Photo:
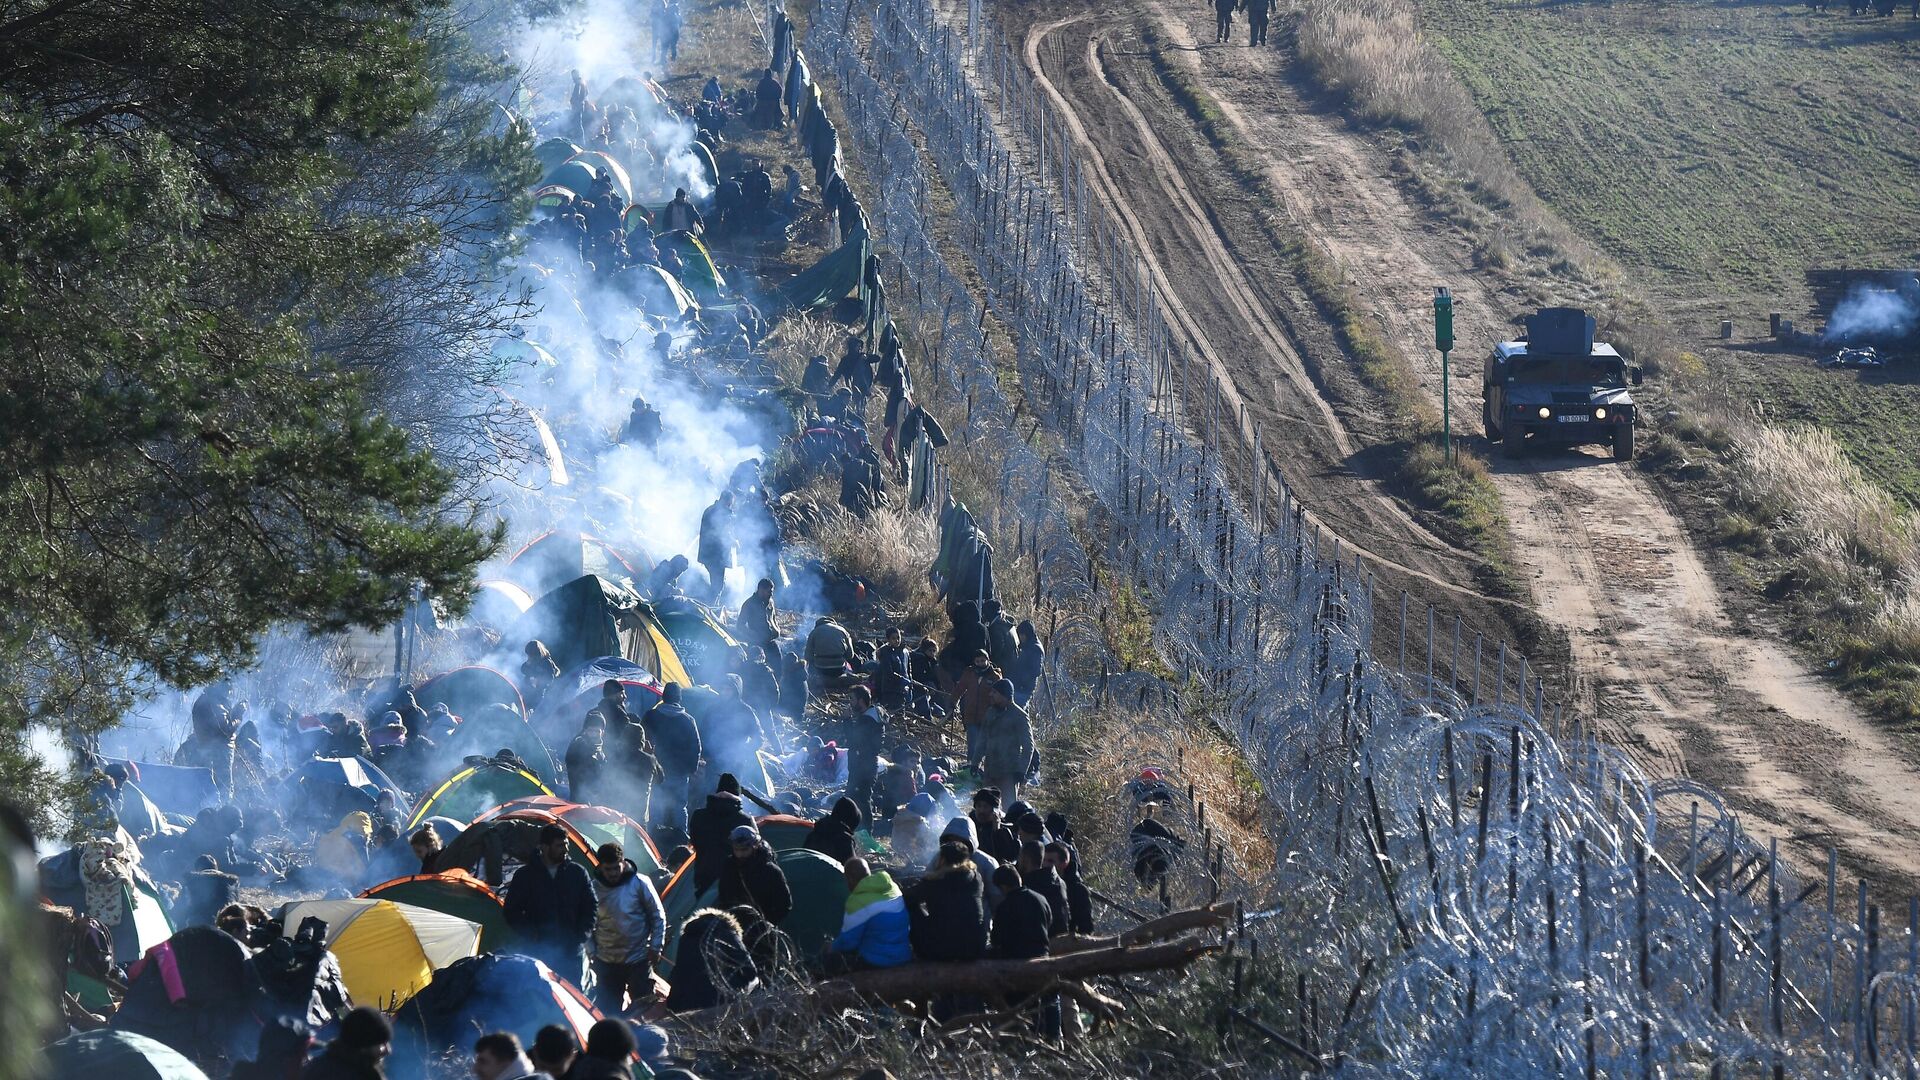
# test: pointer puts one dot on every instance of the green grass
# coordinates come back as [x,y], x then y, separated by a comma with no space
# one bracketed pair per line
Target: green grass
[1717,149]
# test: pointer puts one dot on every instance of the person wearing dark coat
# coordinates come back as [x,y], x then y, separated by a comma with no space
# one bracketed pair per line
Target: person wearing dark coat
[866,732]
[365,1039]
[751,875]
[1153,846]
[713,955]
[766,102]
[832,835]
[1060,858]
[947,908]
[1029,662]
[1039,876]
[676,745]
[587,762]
[716,543]
[551,906]
[1021,922]
[710,829]
[610,1046]
[997,836]
[895,672]
[856,369]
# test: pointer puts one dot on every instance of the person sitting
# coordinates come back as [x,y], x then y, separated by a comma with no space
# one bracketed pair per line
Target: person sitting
[713,961]
[947,909]
[875,930]
[832,835]
[914,832]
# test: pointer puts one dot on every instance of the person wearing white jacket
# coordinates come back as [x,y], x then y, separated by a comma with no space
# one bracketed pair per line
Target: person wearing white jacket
[629,933]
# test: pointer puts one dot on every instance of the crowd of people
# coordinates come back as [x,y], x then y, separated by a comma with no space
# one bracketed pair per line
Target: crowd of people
[913,755]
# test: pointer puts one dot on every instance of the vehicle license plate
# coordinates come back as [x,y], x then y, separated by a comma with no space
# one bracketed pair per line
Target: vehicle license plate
[1570,418]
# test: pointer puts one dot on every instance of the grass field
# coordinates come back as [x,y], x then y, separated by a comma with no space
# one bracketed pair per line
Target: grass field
[1714,149]
[1875,416]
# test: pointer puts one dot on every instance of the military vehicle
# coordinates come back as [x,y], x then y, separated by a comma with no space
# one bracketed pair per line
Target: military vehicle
[1558,387]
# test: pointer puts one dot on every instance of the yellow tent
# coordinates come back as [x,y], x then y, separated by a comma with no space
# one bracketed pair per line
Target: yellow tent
[388,952]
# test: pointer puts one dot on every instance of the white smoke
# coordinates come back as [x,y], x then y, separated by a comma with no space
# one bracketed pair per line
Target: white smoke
[1875,313]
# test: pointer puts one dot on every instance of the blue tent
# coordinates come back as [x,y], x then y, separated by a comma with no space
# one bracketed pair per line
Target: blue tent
[347,775]
[489,992]
[123,1055]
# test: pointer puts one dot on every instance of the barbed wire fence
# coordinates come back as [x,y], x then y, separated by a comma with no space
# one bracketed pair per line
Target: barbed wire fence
[1488,889]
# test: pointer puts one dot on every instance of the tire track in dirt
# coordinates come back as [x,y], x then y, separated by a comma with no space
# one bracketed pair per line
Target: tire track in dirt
[1234,312]
[1659,660]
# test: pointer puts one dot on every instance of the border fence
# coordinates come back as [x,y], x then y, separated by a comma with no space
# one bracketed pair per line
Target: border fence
[1467,887]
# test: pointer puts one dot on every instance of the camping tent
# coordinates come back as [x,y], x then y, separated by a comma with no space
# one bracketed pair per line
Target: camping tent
[500,727]
[819,887]
[591,617]
[477,786]
[455,893]
[836,275]
[784,832]
[702,644]
[586,826]
[468,691]
[331,788]
[558,556]
[388,951]
[552,152]
[576,174]
[116,1055]
[606,163]
[497,603]
[697,271]
[176,789]
[491,992]
[553,197]
[655,291]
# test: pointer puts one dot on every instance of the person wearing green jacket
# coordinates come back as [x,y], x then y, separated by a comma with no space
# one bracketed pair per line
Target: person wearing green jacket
[874,933]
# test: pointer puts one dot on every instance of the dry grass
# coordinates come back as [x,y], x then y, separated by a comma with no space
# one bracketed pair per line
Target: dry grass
[1840,555]
[892,548]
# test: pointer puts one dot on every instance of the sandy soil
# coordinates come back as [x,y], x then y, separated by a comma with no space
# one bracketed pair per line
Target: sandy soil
[1657,658]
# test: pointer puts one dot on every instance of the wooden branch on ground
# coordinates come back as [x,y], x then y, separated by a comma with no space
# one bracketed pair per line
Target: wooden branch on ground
[997,978]
[1166,926]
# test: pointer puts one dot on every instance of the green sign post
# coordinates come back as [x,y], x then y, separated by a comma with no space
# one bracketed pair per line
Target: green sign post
[1443,340]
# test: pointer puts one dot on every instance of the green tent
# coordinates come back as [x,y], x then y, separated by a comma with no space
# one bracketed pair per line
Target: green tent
[819,886]
[697,271]
[117,1055]
[552,153]
[475,788]
[455,893]
[784,832]
[576,174]
[836,275]
[610,166]
[709,171]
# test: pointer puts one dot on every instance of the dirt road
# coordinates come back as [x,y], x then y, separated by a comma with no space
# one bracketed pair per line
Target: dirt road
[1658,659]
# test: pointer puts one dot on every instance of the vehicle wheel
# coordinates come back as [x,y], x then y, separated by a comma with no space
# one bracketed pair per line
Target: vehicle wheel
[1487,424]
[1623,444]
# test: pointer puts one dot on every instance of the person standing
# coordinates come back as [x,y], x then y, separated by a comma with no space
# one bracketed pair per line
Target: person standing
[1060,858]
[1223,19]
[1038,874]
[551,906]
[866,732]
[587,762]
[710,830]
[1258,12]
[716,543]
[629,933]
[1029,661]
[1020,932]
[895,672]
[676,745]
[358,1052]
[755,624]
[1006,741]
[832,835]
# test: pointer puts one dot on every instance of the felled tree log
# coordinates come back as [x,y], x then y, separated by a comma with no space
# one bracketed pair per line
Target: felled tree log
[997,978]
[1166,926]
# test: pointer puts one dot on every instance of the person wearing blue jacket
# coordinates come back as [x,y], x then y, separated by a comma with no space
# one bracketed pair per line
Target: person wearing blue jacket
[874,933]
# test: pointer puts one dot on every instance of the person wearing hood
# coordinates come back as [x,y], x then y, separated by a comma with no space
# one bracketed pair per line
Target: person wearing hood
[663,580]
[609,1050]
[710,829]
[914,837]
[345,738]
[717,543]
[629,933]
[208,889]
[731,732]
[1022,923]
[497,1056]
[947,908]
[356,1053]
[829,651]
[832,835]
[962,829]
[676,743]
[342,852]
[875,930]
[899,782]
[751,875]
[1029,662]
[713,960]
